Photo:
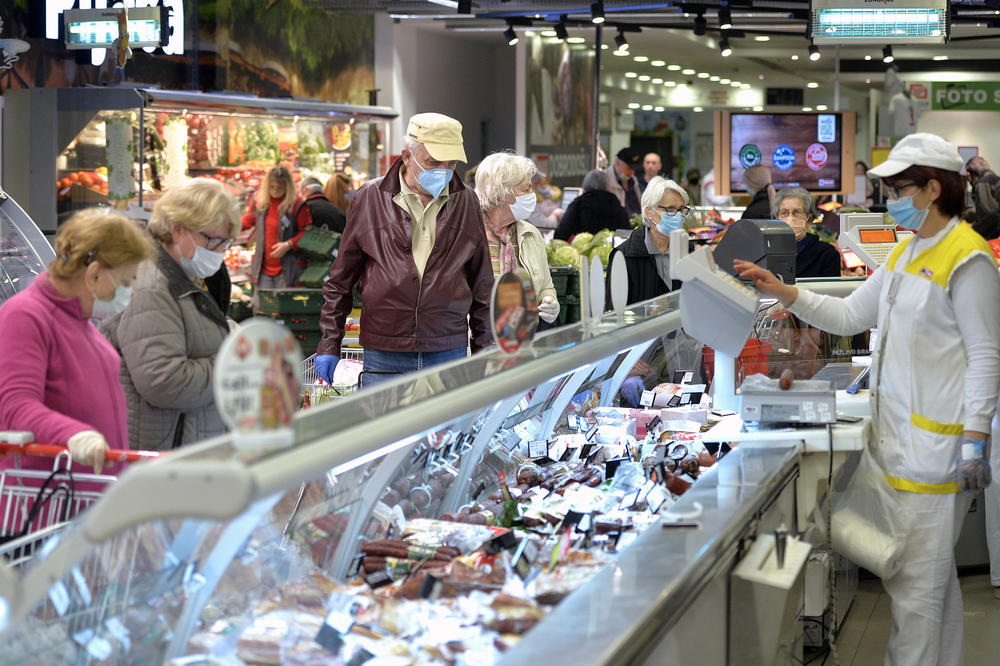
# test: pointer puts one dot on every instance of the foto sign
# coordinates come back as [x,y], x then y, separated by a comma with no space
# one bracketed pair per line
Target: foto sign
[966,96]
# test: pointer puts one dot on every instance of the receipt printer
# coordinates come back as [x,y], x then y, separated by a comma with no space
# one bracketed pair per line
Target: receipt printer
[768,243]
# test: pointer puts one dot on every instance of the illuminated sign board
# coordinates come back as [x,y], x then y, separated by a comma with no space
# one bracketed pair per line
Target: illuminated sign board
[98,28]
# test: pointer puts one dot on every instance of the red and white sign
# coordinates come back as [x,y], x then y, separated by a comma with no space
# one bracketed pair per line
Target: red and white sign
[918,90]
[816,156]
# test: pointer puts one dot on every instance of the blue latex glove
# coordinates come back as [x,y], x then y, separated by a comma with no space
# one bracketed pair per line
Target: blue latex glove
[325,365]
[632,389]
[972,470]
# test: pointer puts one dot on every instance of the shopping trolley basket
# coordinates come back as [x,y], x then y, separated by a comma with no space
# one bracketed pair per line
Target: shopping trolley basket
[319,391]
[35,504]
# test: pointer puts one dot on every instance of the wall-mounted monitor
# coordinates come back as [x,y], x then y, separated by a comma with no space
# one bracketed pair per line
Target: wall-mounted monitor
[98,28]
[814,150]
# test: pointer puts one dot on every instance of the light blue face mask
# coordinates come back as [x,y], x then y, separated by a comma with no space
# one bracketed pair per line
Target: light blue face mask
[204,264]
[670,223]
[905,213]
[103,309]
[433,180]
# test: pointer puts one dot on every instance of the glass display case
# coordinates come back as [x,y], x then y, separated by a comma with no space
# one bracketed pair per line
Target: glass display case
[24,252]
[208,556]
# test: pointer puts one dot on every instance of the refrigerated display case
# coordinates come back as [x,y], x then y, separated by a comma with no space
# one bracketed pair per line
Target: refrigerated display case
[124,146]
[24,251]
[206,556]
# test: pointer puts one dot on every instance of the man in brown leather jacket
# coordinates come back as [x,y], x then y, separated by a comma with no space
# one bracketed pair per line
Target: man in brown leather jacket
[415,244]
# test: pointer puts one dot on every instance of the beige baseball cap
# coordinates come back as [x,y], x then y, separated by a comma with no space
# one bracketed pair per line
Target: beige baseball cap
[441,135]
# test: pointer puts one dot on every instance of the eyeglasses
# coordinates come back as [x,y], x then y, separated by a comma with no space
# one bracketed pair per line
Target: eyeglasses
[895,190]
[797,214]
[215,244]
[670,210]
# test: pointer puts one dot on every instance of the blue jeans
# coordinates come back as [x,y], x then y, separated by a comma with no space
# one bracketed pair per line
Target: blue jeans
[380,366]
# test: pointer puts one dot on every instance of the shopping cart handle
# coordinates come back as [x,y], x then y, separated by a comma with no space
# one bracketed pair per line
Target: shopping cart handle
[51,451]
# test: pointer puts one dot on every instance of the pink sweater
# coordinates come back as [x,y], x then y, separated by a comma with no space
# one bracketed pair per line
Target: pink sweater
[58,375]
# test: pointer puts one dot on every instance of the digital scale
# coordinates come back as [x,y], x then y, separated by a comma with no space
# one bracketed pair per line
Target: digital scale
[867,235]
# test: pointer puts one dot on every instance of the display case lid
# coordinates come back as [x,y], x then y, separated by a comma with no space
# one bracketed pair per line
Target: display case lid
[267,105]
[24,250]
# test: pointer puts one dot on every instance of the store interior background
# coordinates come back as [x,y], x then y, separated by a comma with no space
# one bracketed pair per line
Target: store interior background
[423,56]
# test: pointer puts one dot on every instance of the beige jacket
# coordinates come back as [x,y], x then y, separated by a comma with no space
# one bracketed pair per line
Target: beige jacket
[533,258]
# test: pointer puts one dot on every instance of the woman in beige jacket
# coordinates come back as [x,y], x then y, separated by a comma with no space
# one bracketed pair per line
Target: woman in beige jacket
[170,332]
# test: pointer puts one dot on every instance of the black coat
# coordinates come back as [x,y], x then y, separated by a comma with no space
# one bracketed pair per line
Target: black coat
[592,211]
[759,208]
[644,281]
[325,214]
[816,259]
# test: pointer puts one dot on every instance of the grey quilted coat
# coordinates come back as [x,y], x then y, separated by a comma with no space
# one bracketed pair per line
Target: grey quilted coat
[168,337]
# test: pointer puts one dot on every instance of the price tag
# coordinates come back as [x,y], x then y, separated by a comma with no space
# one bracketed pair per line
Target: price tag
[592,432]
[647,399]
[572,422]
[655,499]
[502,478]
[509,440]
[538,448]
[59,596]
[557,449]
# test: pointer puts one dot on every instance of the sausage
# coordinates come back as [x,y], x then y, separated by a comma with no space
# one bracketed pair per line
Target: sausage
[787,376]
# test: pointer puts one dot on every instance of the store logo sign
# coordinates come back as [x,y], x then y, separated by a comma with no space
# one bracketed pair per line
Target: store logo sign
[55,8]
[783,157]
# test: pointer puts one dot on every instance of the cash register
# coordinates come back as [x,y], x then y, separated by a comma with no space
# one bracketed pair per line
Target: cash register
[867,235]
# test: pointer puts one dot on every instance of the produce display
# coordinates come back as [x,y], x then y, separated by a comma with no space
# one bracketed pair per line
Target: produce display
[593,246]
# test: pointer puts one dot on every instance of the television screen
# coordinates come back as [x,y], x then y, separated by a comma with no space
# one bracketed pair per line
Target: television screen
[799,149]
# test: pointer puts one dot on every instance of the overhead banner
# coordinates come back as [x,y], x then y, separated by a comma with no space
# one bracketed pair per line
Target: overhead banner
[966,96]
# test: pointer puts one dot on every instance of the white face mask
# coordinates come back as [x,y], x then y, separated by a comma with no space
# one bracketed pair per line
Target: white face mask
[204,263]
[103,309]
[523,206]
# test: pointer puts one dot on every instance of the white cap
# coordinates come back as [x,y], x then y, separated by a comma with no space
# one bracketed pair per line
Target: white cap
[920,149]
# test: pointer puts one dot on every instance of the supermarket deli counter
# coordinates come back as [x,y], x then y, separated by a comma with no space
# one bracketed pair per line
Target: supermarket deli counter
[467,514]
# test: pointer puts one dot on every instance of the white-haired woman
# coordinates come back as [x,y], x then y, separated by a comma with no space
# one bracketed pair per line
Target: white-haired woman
[813,258]
[506,195]
[176,320]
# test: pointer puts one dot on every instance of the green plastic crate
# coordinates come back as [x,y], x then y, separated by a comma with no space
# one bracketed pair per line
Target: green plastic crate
[294,322]
[290,301]
[308,340]
[240,310]
[319,243]
[317,273]
[572,309]
[560,280]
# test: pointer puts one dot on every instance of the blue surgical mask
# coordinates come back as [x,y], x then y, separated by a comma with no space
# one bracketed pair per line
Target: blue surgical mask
[905,213]
[670,223]
[103,309]
[433,180]
[204,263]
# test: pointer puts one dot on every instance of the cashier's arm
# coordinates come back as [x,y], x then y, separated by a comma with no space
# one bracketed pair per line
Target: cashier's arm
[767,282]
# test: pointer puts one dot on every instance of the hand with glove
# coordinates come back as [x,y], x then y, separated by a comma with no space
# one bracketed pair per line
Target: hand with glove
[325,365]
[972,469]
[87,447]
[548,309]
[632,389]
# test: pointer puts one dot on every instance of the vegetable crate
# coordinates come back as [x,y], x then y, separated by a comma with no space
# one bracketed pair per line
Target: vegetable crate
[290,301]
[300,322]
[566,280]
[316,274]
[319,243]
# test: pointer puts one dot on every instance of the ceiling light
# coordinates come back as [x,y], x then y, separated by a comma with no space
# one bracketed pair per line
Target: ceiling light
[630,75]
[697,109]
[795,56]
[714,77]
[657,80]
[576,40]
[703,75]
[604,47]
[813,52]
[940,57]
[597,12]
[868,81]
[620,41]
[725,18]
[887,54]
[745,86]
[762,38]
[821,107]
[868,57]
[657,63]
[674,68]
[561,30]
[464,7]
[641,59]
[647,107]
[736,84]
[644,77]
[807,108]
[657,108]
[758,108]
[700,24]
[724,48]
[725,82]
[687,72]
[548,33]
[812,84]
[510,35]
[633,105]
[620,54]
[670,84]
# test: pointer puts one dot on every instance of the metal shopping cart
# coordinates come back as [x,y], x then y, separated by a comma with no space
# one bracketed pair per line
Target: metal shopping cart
[36,504]
[316,391]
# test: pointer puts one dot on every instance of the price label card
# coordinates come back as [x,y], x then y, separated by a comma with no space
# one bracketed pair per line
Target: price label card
[655,498]
[538,448]
[592,432]
[59,596]
[502,478]
[647,399]
[556,449]
[509,440]
[572,422]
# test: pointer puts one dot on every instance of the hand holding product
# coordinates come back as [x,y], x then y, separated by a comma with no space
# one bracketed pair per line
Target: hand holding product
[548,309]
[88,447]
[325,365]
[632,389]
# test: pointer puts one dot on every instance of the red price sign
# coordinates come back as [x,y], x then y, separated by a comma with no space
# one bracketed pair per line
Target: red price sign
[502,477]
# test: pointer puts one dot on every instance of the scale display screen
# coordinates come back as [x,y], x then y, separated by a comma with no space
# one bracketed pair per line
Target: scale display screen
[877,235]
[98,28]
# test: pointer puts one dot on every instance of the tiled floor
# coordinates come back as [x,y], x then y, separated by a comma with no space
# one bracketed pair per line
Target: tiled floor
[866,630]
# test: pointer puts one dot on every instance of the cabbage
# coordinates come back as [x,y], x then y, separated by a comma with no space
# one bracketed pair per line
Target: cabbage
[602,252]
[603,236]
[582,242]
[557,243]
[566,256]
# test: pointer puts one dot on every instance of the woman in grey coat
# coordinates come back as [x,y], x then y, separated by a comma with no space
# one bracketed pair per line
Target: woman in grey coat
[170,332]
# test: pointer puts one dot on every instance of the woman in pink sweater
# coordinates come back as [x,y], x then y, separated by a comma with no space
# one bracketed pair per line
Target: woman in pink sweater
[58,375]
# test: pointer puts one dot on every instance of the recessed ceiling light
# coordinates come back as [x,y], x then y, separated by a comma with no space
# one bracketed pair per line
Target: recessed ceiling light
[620,54]
[633,105]
[647,107]
[630,75]
[760,77]
[725,82]
[687,72]
[657,63]
[657,80]
[758,108]
[703,75]
[657,108]
[940,57]
[807,108]
[670,84]
[762,38]
[868,80]
[697,109]
[745,86]
[714,77]
[736,84]
[674,68]
[644,77]
[795,56]
[812,84]
[576,40]
[821,107]
[641,59]
[548,33]
[868,57]
[604,47]
[529,33]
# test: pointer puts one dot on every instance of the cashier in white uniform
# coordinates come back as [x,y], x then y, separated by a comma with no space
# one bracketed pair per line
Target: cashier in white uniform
[936,373]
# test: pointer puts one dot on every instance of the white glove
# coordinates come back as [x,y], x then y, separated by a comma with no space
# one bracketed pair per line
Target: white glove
[88,447]
[548,309]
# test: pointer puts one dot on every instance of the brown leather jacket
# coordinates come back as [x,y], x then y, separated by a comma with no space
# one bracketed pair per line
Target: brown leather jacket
[401,312]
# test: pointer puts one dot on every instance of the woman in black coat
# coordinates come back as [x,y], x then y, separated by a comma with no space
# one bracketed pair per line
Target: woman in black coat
[814,258]
[757,180]
[595,209]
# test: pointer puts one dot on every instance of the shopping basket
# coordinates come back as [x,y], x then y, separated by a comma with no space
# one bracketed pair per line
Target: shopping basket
[35,504]
[314,390]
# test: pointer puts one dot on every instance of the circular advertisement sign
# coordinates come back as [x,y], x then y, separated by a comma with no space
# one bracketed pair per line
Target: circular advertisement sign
[256,377]
[749,156]
[783,157]
[816,156]
[514,310]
